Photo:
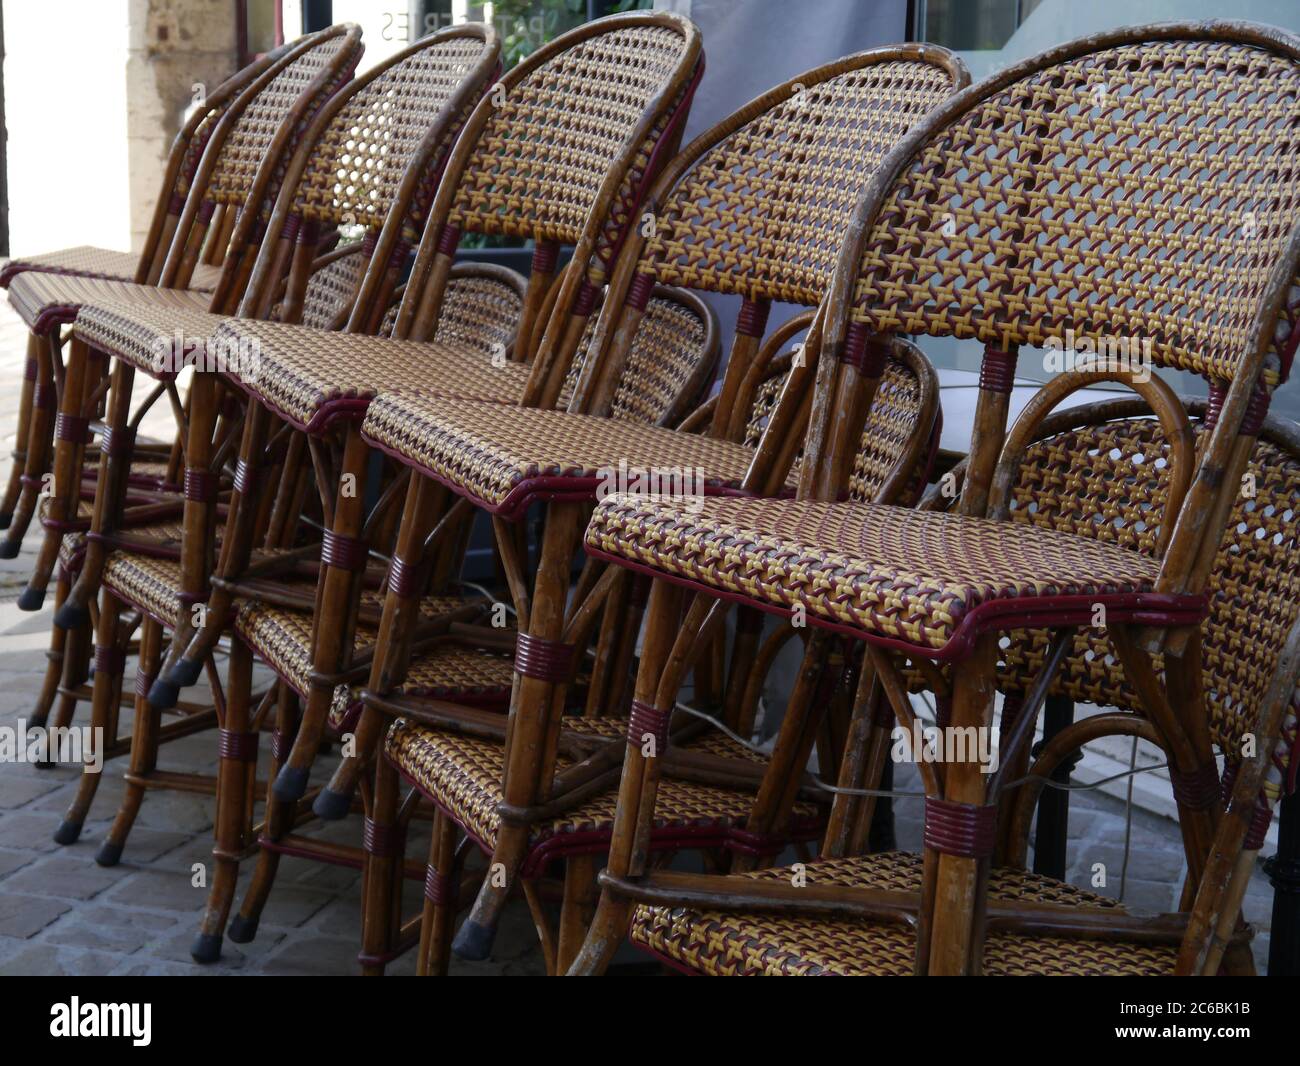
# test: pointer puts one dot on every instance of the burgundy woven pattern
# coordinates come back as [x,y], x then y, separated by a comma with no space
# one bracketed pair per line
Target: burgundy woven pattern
[889,571]
[488,451]
[717,943]
[463,774]
[1167,179]
[763,213]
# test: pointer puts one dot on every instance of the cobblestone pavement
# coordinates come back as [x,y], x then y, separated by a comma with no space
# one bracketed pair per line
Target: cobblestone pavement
[60,913]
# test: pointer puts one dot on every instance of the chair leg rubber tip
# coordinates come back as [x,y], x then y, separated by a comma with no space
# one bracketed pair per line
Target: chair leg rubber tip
[109,854]
[242,930]
[71,616]
[9,548]
[186,672]
[5,518]
[163,694]
[32,599]
[290,784]
[206,947]
[67,833]
[473,941]
[331,806]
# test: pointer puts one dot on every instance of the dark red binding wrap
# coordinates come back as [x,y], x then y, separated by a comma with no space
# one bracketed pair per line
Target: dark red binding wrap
[343,552]
[647,719]
[242,747]
[543,660]
[962,829]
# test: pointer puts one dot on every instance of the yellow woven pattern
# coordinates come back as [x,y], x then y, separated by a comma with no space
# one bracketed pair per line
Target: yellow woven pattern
[152,585]
[488,449]
[667,349]
[300,370]
[732,944]
[249,142]
[1109,483]
[33,294]
[92,262]
[282,637]
[763,213]
[539,163]
[464,775]
[890,571]
[144,332]
[332,289]
[1140,191]
[358,163]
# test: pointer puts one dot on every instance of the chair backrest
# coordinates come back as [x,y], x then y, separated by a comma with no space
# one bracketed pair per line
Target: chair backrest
[758,205]
[1102,471]
[247,155]
[371,159]
[183,164]
[1139,186]
[561,152]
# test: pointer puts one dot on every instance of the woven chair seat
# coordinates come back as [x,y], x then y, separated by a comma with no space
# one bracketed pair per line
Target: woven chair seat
[88,261]
[311,378]
[146,582]
[282,638]
[150,337]
[463,775]
[48,300]
[738,944]
[929,582]
[504,457]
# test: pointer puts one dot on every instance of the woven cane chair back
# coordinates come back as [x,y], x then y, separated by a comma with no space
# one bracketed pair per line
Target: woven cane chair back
[1119,186]
[673,355]
[333,285]
[1107,480]
[559,124]
[361,155]
[763,208]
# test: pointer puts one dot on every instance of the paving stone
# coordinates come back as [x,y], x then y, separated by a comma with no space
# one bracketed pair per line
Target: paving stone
[50,960]
[17,789]
[25,916]
[34,831]
[112,929]
[69,877]
[13,860]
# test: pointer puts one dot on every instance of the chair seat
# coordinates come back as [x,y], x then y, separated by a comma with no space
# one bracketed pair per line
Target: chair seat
[282,636]
[88,261]
[46,300]
[921,581]
[150,583]
[311,378]
[736,944]
[463,774]
[156,338]
[505,457]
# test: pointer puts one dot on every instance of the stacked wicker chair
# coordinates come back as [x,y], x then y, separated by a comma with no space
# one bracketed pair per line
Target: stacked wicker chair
[84,260]
[229,174]
[1042,232]
[621,85]
[729,215]
[372,157]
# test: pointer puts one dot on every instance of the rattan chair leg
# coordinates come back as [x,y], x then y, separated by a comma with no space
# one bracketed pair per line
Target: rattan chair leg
[108,679]
[576,909]
[957,902]
[279,820]
[336,618]
[184,662]
[388,667]
[636,790]
[110,492]
[53,668]
[144,745]
[15,484]
[237,743]
[382,862]
[40,441]
[439,899]
[533,703]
